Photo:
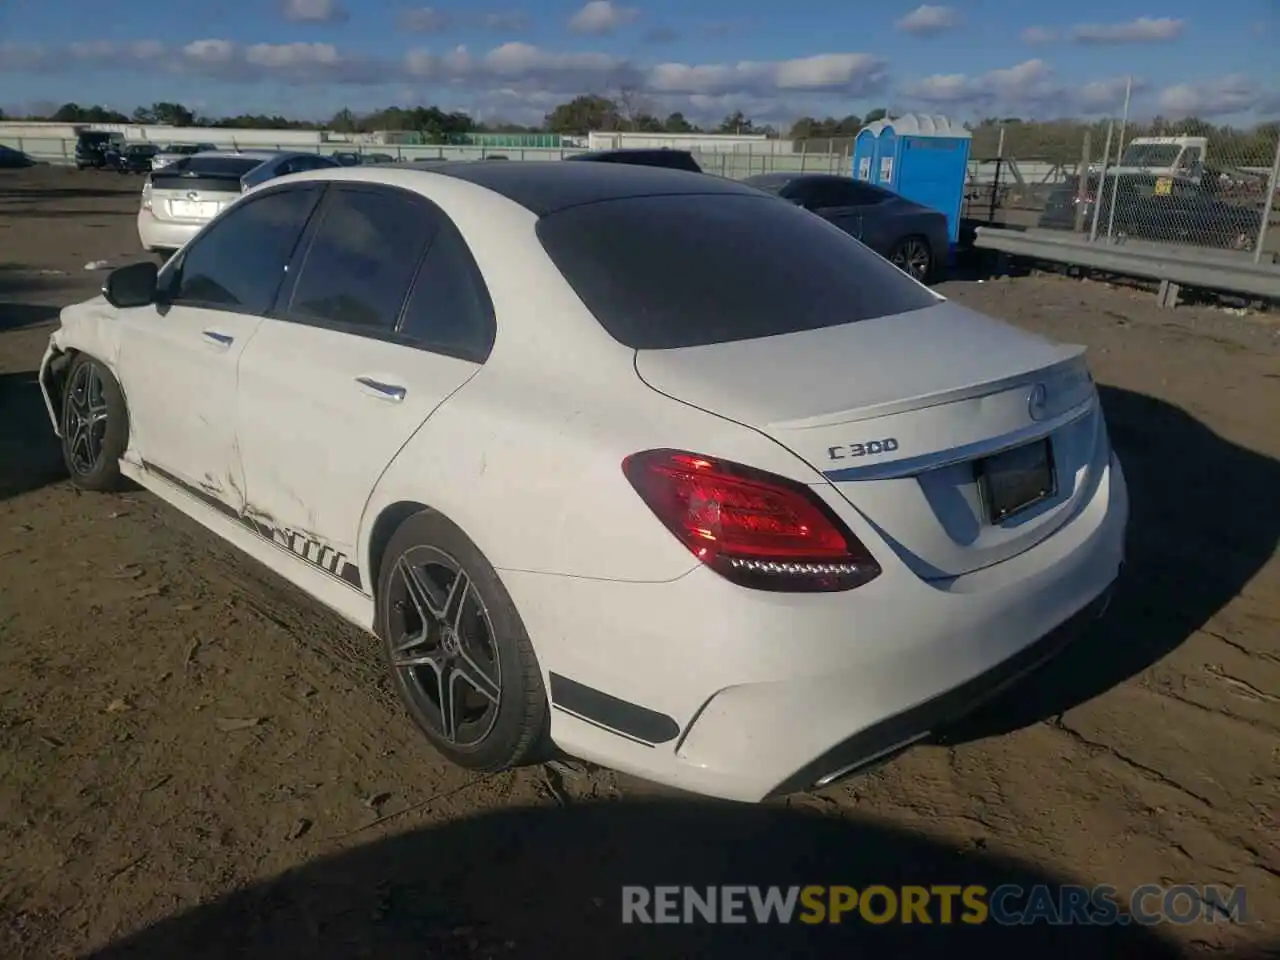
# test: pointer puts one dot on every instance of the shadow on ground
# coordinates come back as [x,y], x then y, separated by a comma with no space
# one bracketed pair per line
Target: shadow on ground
[20,284]
[548,883]
[1204,519]
[30,455]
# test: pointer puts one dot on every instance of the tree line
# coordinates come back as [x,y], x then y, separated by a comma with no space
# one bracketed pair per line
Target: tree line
[1058,141]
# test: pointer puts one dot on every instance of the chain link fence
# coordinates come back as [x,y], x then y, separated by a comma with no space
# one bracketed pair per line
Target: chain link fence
[1114,182]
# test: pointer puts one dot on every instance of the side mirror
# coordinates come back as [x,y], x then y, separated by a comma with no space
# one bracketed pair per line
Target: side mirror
[132,286]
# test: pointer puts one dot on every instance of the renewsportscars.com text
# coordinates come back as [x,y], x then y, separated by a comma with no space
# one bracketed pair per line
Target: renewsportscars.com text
[1010,904]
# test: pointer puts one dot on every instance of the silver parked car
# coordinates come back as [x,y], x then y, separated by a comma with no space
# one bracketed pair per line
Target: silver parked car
[178,200]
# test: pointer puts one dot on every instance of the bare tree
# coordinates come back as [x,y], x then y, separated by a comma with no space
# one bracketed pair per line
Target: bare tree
[632,105]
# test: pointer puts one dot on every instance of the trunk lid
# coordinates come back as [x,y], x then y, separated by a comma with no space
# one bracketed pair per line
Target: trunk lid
[196,189]
[191,199]
[899,412]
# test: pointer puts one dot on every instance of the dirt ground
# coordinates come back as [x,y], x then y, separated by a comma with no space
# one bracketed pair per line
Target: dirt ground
[197,761]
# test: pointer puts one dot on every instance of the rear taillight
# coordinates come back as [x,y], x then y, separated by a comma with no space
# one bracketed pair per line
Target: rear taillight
[146,195]
[754,528]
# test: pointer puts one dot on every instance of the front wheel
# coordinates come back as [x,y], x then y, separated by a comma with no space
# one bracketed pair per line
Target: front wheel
[914,257]
[458,653]
[95,425]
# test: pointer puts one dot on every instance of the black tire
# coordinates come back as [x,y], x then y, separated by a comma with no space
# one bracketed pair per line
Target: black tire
[92,447]
[509,725]
[914,256]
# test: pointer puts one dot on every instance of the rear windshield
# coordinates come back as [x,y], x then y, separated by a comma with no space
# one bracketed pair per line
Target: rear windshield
[229,167]
[666,272]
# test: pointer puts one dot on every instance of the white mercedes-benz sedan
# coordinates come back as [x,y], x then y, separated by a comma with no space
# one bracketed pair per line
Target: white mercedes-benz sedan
[640,464]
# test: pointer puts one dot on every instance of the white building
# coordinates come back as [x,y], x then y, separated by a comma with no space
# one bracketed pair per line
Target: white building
[161,133]
[756,143]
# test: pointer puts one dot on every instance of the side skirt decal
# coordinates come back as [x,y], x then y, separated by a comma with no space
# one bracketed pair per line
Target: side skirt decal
[303,546]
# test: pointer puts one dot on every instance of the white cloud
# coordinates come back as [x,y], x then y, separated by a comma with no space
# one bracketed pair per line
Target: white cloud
[846,72]
[1027,89]
[1235,93]
[1027,81]
[1142,30]
[425,20]
[20,57]
[600,17]
[928,18]
[1104,96]
[314,11]
[1039,35]
[531,76]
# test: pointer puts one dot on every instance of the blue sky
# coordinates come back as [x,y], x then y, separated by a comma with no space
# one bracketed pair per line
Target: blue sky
[774,61]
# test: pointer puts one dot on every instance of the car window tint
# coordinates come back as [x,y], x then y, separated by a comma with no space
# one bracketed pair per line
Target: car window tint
[662,272]
[863,194]
[834,193]
[220,166]
[239,260]
[449,310]
[362,258]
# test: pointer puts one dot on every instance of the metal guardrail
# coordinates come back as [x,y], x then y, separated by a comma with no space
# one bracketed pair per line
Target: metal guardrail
[1220,270]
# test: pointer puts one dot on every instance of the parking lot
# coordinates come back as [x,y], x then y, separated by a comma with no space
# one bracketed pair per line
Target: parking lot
[195,760]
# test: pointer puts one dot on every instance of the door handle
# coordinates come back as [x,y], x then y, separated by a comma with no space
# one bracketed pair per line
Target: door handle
[221,339]
[383,391]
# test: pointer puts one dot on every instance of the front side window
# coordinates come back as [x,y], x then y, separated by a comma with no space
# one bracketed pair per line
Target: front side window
[362,259]
[238,263]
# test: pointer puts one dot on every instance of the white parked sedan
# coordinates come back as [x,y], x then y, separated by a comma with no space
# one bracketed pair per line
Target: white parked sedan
[188,192]
[643,464]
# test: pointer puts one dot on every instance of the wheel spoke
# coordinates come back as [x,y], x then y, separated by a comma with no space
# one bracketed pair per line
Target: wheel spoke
[450,612]
[445,680]
[403,655]
[475,676]
[419,592]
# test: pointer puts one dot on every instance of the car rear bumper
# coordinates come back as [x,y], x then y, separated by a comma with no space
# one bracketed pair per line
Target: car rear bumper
[744,695]
[158,234]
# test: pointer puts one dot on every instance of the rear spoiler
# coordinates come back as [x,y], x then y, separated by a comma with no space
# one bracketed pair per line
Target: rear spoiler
[167,178]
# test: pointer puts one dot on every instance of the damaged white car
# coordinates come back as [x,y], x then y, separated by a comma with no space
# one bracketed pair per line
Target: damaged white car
[645,465]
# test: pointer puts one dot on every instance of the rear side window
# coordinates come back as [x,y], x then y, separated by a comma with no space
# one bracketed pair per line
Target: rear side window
[238,262]
[362,259]
[667,272]
[449,310]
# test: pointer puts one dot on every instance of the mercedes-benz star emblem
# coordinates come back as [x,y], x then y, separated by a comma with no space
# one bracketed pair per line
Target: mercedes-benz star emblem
[449,641]
[1038,402]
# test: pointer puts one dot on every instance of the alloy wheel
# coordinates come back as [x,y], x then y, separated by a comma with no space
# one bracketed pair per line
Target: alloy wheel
[86,419]
[912,257]
[443,646]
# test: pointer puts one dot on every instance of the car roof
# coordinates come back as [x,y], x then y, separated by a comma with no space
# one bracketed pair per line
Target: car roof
[627,152]
[545,186]
[246,154]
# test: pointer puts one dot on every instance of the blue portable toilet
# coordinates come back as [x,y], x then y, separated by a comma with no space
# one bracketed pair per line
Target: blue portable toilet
[923,158]
[865,154]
